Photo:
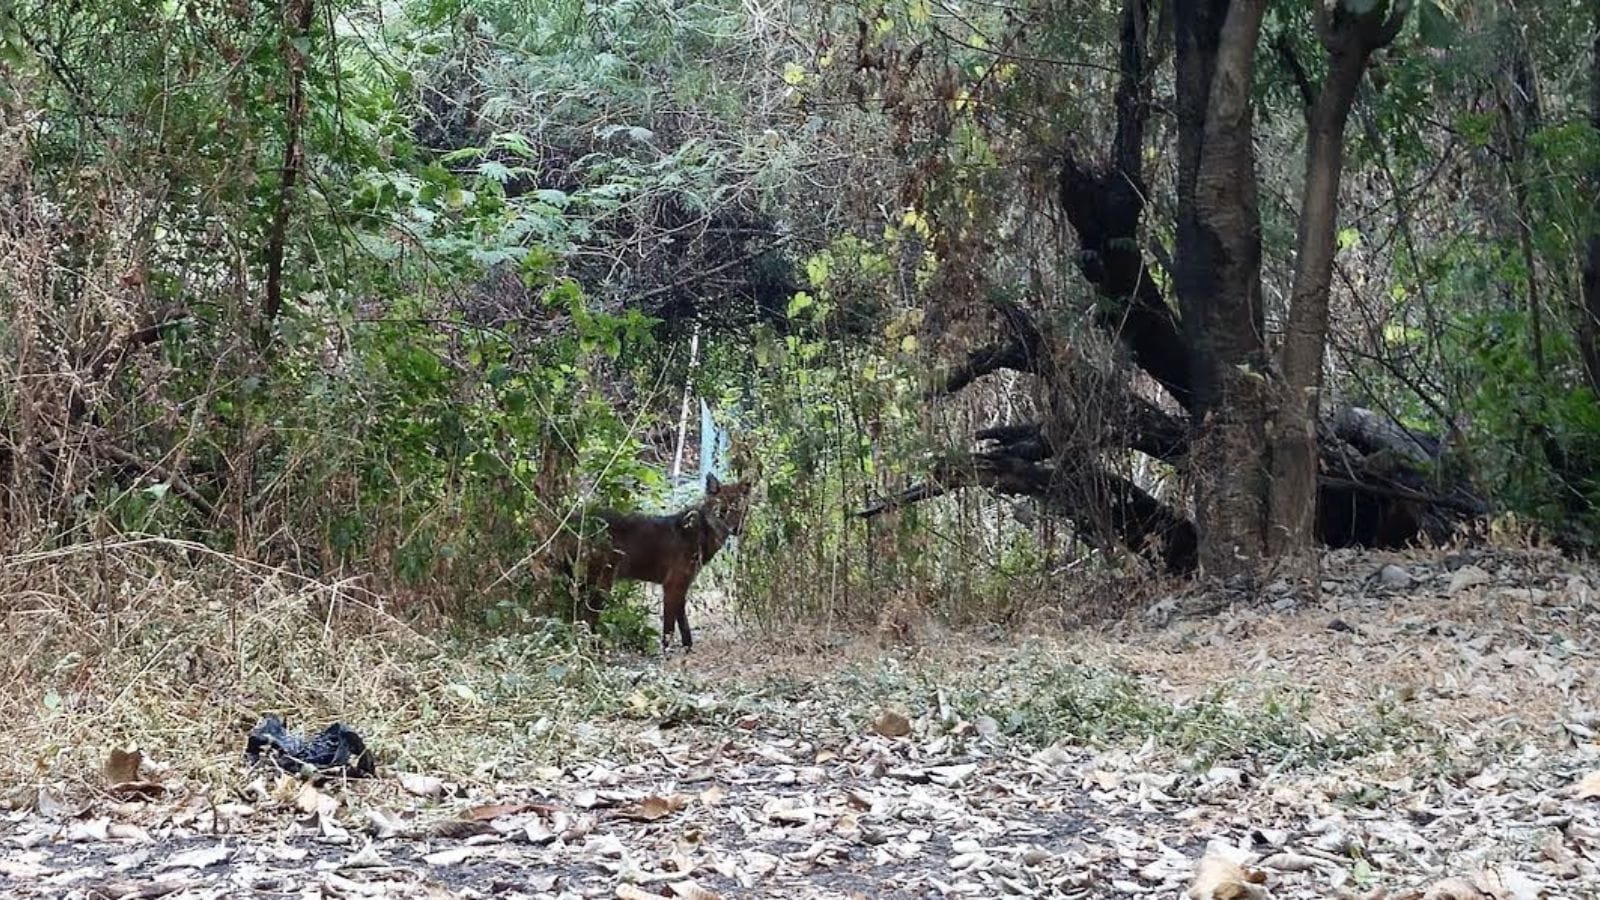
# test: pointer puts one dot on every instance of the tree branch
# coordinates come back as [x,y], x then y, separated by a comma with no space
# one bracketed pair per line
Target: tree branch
[1297,73]
[298,30]
[1104,205]
[1021,351]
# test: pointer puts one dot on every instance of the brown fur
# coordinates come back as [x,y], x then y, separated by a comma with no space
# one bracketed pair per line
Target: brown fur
[666,550]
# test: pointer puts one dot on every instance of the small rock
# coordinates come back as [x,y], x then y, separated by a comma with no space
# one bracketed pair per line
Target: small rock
[1466,577]
[1033,856]
[1226,775]
[1341,625]
[891,723]
[1394,577]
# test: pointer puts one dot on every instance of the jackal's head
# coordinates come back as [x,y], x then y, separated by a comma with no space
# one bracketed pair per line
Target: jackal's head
[726,504]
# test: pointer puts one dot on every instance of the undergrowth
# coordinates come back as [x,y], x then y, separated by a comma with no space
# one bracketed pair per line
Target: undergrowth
[1039,698]
[180,651]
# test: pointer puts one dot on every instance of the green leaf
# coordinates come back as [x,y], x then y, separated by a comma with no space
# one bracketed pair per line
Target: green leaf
[1362,873]
[799,303]
[558,199]
[494,171]
[463,154]
[817,270]
[514,142]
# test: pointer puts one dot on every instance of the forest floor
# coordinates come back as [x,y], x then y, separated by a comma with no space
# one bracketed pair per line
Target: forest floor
[1424,726]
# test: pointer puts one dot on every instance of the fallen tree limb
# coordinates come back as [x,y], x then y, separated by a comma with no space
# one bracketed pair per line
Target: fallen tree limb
[144,467]
[1106,507]
[984,361]
[134,466]
[1022,350]
[1373,499]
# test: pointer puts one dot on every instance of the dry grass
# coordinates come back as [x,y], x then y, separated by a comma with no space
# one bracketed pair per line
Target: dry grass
[180,650]
[1426,674]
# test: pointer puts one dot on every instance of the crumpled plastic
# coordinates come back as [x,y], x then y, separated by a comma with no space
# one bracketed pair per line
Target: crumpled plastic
[336,750]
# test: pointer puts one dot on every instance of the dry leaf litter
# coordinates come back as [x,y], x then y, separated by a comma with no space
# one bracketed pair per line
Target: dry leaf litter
[1495,793]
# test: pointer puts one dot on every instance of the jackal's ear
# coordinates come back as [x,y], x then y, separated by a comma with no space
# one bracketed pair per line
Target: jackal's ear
[712,484]
[689,520]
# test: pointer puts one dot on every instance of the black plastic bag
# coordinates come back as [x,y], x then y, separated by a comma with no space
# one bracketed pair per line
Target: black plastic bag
[337,750]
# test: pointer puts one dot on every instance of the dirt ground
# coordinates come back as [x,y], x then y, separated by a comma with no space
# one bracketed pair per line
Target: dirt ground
[1425,725]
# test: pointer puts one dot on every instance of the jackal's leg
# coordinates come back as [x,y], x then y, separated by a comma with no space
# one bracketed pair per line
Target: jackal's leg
[675,611]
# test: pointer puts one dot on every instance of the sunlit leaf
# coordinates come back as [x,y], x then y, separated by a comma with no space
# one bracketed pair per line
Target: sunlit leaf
[799,303]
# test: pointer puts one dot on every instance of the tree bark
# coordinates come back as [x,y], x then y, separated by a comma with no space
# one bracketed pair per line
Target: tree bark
[1219,281]
[1349,39]
[1104,204]
[297,16]
[1589,323]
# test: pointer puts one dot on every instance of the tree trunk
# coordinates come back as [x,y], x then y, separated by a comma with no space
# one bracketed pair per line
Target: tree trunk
[1589,324]
[1104,204]
[297,19]
[1219,281]
[1522,117]
[1350,40]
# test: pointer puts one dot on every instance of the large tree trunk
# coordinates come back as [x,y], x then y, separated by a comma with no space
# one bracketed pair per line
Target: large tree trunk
[1350,40]
[1219,282]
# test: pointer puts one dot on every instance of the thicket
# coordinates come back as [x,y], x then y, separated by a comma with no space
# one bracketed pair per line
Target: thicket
[386,291]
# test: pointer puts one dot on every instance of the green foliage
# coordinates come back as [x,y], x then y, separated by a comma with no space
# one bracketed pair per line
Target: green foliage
[1043,699]
[486,191]
[1538,438]
[1097,708]
[385,428]
[629,623]
[837,418]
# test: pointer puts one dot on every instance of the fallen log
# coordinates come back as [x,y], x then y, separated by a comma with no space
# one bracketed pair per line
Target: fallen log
[1107,508]
[1365,497]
